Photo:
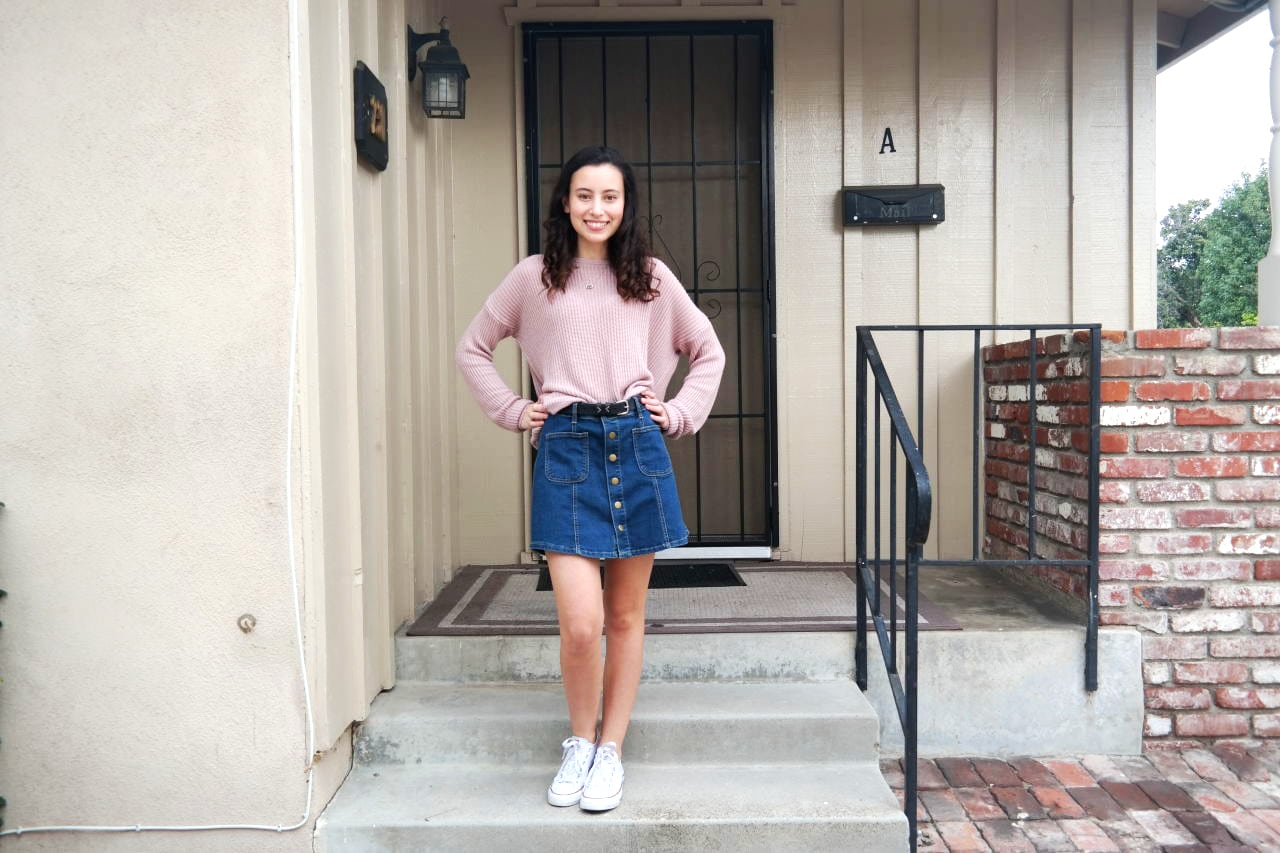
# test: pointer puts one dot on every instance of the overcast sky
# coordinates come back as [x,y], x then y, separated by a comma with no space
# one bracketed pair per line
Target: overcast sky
[1213,115]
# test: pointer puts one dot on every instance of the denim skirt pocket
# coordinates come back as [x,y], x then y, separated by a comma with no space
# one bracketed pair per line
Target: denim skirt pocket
[565,457]
[652,457]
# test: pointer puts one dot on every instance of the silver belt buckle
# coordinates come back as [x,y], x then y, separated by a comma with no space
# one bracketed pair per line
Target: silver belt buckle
[626,407]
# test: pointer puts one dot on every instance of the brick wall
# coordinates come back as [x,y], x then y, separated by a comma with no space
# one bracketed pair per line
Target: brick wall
[1190,517]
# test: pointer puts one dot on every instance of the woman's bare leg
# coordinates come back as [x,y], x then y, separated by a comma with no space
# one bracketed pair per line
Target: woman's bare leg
[580,608]
[626,585]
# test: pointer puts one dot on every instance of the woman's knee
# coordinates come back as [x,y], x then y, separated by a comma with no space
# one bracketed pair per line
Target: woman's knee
[624,621]
[581,634]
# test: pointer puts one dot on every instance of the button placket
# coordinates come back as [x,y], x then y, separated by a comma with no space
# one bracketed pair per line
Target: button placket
[617,508]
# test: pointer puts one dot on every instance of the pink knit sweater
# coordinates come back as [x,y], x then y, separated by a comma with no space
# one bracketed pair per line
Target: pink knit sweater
[588,345]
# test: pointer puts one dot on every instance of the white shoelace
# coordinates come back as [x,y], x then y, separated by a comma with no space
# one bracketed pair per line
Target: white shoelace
[606,769]
[576,760]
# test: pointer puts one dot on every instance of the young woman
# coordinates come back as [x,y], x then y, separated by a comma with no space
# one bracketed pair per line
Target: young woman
[602,324]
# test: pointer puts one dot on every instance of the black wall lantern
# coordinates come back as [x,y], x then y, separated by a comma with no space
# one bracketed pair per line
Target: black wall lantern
[444,84]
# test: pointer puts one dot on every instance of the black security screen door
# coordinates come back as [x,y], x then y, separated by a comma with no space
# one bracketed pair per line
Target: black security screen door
[689,105]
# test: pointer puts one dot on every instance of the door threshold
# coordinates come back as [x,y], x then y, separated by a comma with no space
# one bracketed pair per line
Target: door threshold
[724,552]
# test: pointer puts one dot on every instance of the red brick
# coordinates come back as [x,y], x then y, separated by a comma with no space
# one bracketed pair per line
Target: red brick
[1120,365]
[1174,543]
[1247,698]
[1118,469]
[1116,570]
[1265,623]
[1113,442]
[1070,773]
[1113,543]
[1017,802]
[1114,391]
[1266,570]
[1213,570]
[1114,492]
[1057,802]
[961,835]
[942,805]
[1249,389]
[1211,672]
[1245,647]
[1236,442]
[1226,466]
[927,775]
[1032,772]
[1113,594]
[979,803]
[1172,339]
[1245,596]
[959,772]
[1171,441]
[1170,491]
[1208,365]
[1214,517]
[1097,803]
[1249,337]
[1209,416]
[1256,492]
[1168,796]
[1177,698]
[1155,622]
[1128,795]
[1211,725]
[1179,391]
[1175,648]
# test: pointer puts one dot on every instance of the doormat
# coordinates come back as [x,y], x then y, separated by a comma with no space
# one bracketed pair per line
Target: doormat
[672,576]
[504,600]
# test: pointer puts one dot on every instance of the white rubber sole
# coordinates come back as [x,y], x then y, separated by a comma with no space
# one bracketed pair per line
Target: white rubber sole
[564,800]
[600,804]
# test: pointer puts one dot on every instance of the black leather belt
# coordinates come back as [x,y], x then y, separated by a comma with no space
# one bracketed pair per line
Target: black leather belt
[606,410]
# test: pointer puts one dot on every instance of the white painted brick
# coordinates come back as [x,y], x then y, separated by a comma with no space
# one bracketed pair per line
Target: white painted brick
[1157,726]
[1157,672]
[997,392]
[1207,621]
[1267,365]
[1135,415]
[1266,673]
[1266,414]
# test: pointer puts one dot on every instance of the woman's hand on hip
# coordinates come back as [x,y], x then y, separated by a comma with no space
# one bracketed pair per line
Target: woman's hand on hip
[657,410]
[533,416]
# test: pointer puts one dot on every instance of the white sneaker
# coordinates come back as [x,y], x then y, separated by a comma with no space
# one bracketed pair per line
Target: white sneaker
[566,788]
[603,790]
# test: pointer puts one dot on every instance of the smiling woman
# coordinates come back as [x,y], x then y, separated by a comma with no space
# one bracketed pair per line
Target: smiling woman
[602,324]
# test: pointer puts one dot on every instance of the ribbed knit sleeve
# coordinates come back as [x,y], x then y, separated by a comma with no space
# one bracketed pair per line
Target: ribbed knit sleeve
[693,337]
[498,319]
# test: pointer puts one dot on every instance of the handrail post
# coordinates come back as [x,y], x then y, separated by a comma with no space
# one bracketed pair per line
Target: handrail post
[1095,439]
[860,511]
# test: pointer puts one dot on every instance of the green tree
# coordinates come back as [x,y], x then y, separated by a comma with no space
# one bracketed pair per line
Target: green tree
[1178,264]
[1239,230]
[1207,265]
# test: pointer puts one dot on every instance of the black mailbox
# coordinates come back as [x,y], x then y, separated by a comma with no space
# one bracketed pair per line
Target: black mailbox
[900,204]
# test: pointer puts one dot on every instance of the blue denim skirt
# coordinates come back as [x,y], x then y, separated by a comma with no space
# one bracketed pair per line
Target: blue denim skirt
[603,486]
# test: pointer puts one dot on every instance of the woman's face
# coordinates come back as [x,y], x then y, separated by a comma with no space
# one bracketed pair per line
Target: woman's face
[595,206]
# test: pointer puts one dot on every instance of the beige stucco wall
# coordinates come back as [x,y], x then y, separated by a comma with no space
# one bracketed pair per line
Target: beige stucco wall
[1037,115]
[148,237]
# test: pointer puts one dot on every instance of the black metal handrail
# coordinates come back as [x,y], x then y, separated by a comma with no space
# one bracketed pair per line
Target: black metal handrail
[918,511]
[905,453]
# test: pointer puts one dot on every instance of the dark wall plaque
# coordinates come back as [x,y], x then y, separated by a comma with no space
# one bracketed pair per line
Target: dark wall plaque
[371,118]
[899,204]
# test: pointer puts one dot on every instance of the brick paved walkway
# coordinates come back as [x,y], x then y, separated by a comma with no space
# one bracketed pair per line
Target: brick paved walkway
[1220,800]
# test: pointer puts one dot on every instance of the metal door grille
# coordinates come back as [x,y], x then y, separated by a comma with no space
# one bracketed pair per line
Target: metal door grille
[690,106]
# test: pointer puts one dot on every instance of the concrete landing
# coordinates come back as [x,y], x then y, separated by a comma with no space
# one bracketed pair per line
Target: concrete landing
[827,807]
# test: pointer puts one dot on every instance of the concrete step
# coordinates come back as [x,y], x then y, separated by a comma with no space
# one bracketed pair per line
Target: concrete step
[673,722]
[811,807]
[777,656]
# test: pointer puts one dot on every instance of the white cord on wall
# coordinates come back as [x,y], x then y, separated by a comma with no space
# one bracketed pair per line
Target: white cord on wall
[296,129]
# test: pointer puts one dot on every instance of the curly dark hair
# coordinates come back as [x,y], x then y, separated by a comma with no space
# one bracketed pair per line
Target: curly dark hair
[629,254]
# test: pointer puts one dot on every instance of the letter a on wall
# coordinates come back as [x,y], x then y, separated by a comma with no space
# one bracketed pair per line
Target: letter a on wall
[887,142]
